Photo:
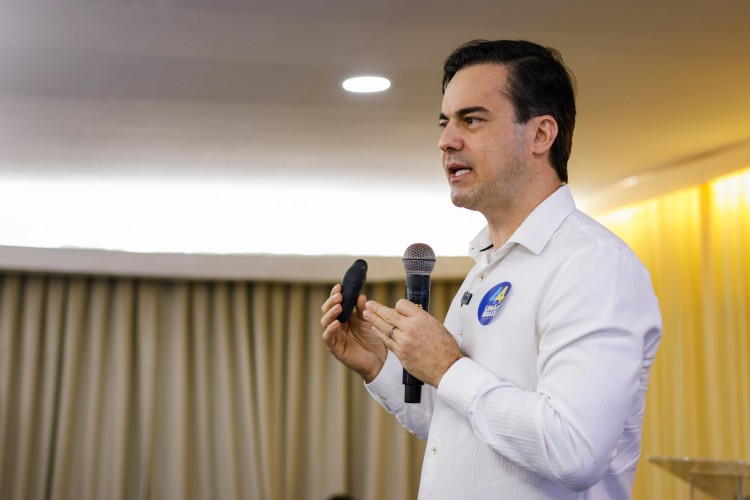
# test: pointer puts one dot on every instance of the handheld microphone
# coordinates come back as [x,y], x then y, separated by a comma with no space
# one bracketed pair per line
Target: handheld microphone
[351,286]
[419,261]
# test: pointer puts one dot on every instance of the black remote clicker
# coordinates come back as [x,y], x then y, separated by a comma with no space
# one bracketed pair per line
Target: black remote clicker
[351,286]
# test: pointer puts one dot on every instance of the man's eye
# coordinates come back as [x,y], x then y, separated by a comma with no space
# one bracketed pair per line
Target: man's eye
[472,120]
[443,123]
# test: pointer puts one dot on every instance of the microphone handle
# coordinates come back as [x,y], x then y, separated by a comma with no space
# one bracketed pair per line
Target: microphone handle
[417,291]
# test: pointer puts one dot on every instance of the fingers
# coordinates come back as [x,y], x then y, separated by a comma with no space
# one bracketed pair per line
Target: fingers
[407,307]
[361,303]
[385,322]
[404,309]
[329,337]
[386,314]
[333,299]
[331,308]
[381,326]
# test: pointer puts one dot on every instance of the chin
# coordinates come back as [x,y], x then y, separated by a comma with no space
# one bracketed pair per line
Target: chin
[461,201]
[456,200]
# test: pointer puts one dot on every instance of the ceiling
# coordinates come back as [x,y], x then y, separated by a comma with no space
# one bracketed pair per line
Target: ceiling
[248,92]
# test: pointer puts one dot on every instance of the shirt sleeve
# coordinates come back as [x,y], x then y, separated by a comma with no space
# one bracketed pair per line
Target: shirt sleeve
[596,327]
[388,390]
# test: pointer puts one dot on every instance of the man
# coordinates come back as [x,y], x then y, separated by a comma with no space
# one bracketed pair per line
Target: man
[536,384]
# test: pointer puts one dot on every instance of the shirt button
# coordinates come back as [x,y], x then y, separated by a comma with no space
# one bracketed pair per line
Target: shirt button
[481,277]
[434,450]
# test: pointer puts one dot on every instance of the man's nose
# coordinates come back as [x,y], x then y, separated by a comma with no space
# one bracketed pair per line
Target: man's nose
[450,138]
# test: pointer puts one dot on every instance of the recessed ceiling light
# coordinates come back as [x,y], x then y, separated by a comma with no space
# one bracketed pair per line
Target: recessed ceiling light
[366,84]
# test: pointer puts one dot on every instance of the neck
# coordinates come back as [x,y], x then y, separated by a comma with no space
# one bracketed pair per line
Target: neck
[503,223]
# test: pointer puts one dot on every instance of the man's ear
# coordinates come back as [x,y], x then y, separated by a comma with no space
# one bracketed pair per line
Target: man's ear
[545,132]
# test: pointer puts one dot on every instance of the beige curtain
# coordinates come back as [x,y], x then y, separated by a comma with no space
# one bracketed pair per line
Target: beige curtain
[146,389]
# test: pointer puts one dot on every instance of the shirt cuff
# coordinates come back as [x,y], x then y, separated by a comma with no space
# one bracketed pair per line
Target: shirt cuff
[387,388]
[463,384]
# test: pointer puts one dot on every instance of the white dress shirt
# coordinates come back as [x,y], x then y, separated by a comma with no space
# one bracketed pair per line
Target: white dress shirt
[559,335]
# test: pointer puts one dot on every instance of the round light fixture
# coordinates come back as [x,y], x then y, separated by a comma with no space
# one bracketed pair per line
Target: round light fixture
[364,84]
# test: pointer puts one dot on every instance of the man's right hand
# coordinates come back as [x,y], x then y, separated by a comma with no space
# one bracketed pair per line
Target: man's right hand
[353,343]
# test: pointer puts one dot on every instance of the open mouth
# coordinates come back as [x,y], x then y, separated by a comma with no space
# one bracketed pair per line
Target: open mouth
[456,171]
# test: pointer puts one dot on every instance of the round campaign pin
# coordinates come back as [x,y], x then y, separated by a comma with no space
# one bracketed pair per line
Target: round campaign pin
[492,301]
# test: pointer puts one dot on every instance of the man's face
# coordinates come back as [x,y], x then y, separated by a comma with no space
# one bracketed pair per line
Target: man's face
[483,149]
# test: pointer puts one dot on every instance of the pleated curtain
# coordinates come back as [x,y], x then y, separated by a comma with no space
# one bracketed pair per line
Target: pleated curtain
[114,388]
[696,244]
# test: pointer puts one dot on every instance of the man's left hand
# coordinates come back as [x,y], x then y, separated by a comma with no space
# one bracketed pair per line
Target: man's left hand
[424,346]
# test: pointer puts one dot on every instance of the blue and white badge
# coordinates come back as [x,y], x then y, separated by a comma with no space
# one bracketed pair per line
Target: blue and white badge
[492,301]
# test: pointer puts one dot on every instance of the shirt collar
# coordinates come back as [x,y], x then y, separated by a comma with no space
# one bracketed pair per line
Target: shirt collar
[536,230]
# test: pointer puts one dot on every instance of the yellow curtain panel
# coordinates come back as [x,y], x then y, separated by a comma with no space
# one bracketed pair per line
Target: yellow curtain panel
[696,244]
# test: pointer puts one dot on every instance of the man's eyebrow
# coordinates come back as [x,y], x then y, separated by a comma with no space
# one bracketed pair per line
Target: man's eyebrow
[461,113]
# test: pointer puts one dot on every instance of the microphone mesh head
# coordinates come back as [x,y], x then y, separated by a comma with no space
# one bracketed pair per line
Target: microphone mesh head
[419,258]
